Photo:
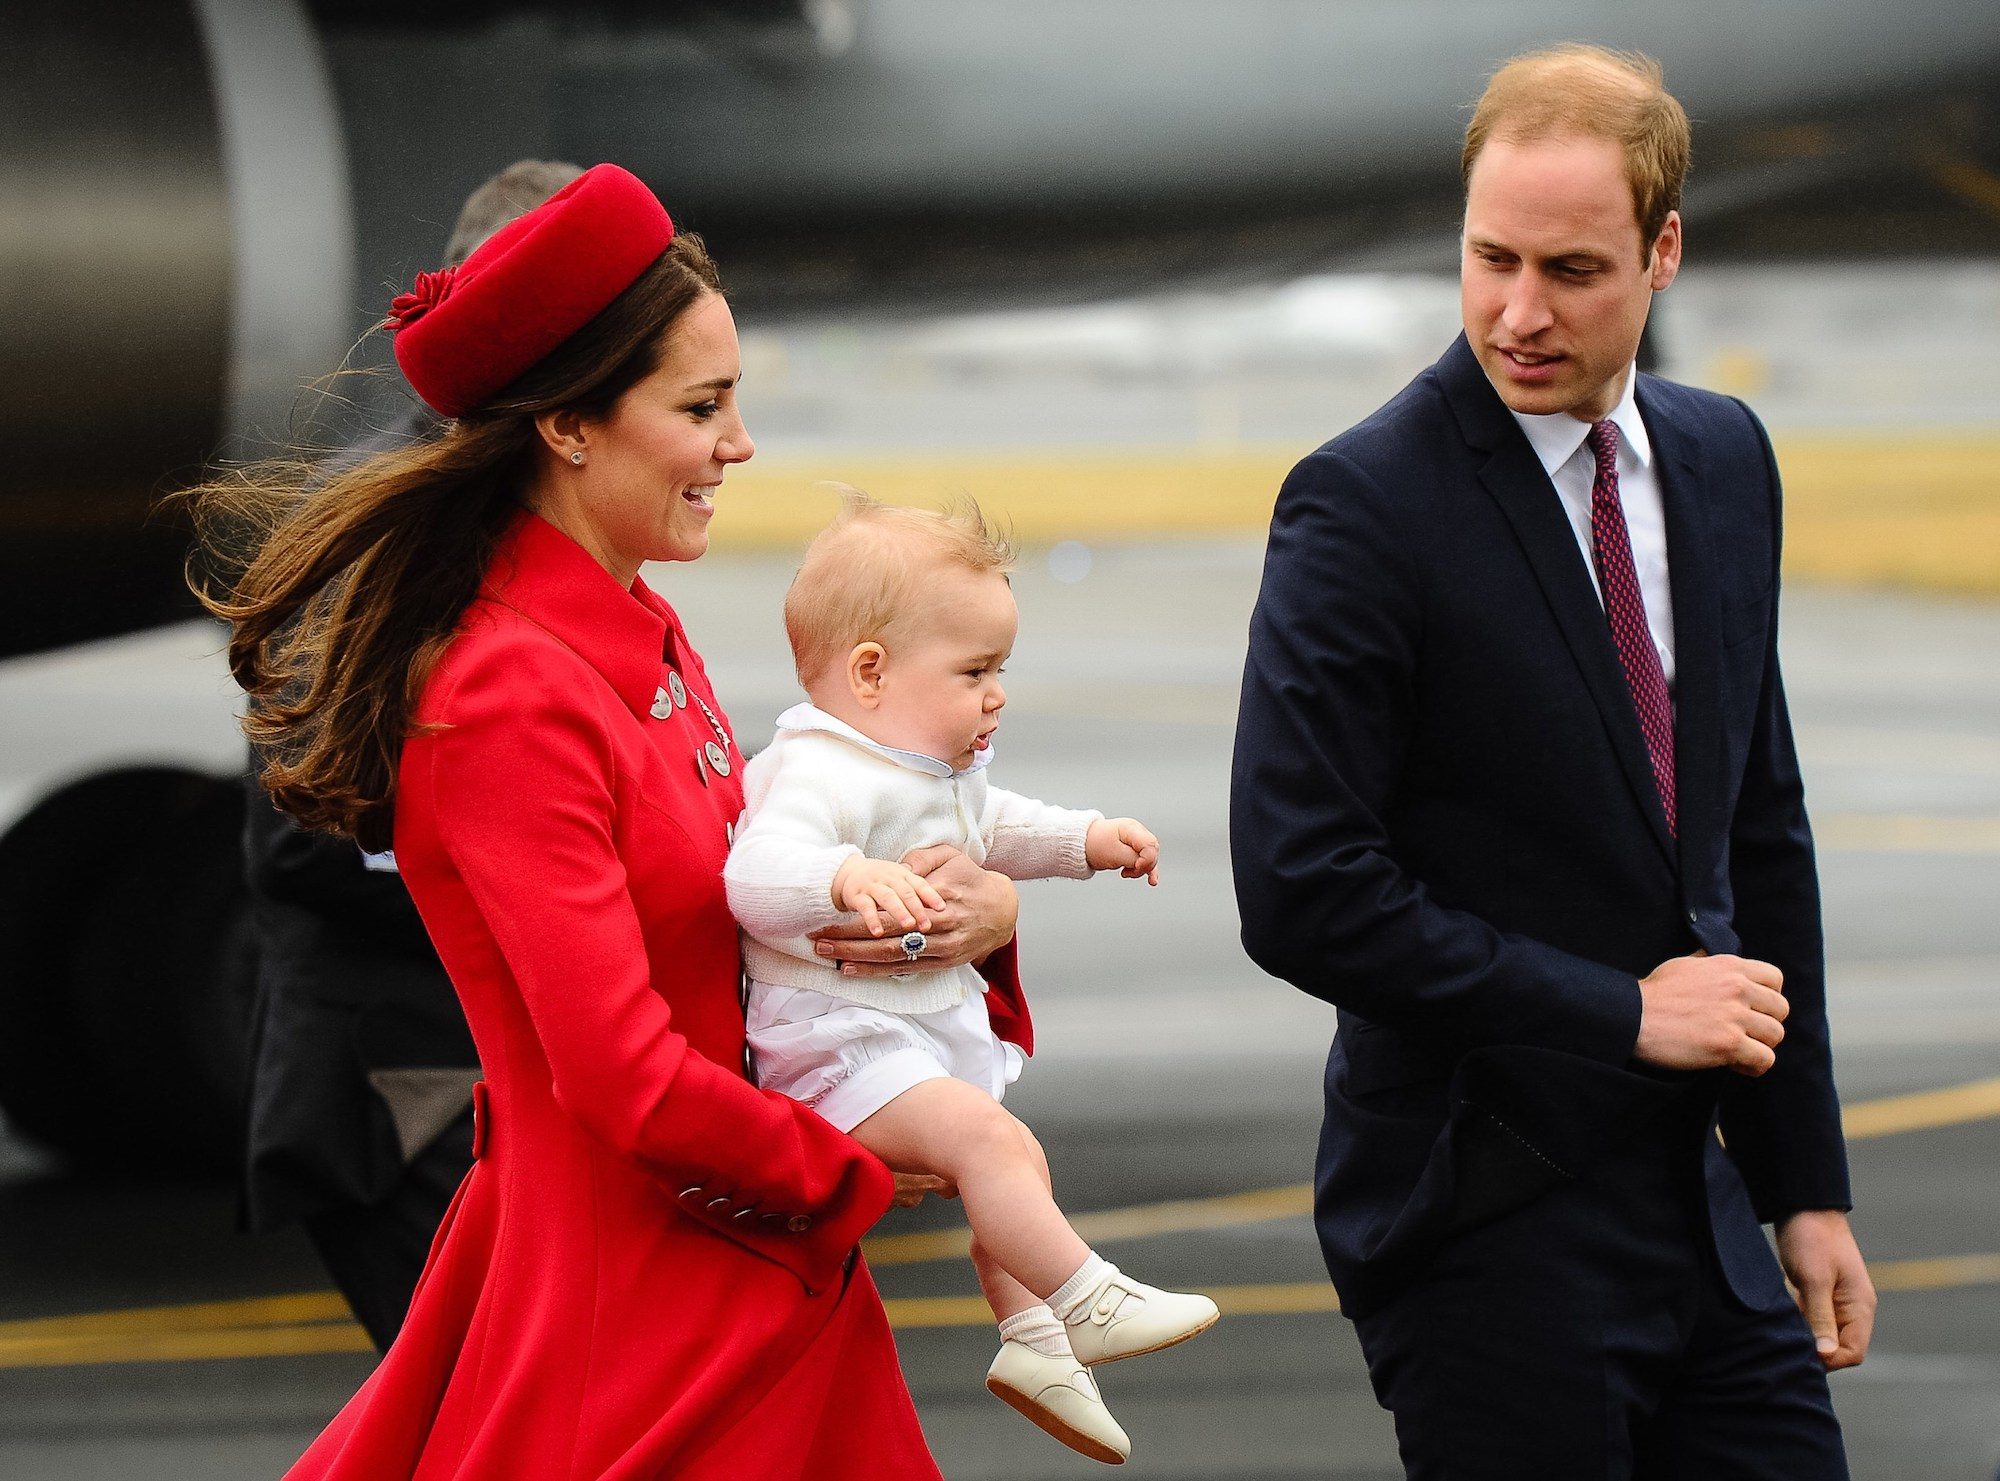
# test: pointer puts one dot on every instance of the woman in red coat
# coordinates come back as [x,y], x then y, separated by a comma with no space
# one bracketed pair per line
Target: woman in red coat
[651,1270]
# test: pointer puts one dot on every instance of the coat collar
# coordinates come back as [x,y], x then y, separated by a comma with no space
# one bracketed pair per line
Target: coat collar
[548,578]
[1513,475]
[810,717]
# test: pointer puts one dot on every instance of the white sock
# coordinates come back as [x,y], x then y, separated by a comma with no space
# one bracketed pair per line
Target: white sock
[1038,1328]
[1073,1292]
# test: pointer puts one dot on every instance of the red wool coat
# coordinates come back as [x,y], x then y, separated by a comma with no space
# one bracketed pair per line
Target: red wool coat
[649,1271]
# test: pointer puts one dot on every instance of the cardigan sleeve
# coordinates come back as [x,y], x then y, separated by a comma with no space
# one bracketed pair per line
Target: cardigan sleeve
[523,787]
[788,849]
[1026,839]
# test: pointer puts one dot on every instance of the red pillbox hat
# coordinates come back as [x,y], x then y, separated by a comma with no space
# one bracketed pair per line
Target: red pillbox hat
[464,333]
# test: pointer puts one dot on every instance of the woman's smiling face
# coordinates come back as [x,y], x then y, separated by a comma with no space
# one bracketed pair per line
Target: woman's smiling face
[646,486]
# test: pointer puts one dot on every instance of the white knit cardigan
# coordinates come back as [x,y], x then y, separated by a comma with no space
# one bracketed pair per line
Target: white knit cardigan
[822,791]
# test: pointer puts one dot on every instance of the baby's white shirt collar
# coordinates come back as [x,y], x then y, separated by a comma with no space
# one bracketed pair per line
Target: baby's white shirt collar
[808,716]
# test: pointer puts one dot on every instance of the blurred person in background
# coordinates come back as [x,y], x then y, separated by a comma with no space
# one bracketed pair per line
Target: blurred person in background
[1515,789]
[652,1268]
[360,1110]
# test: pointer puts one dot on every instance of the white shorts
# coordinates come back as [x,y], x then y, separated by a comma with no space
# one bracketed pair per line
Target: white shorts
[847,1060]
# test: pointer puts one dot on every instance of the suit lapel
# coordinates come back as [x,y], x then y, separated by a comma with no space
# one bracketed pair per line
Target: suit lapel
[1515,479]
[1678,462]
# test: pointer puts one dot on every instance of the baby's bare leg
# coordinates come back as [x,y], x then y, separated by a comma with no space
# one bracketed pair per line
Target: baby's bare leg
[955,1130]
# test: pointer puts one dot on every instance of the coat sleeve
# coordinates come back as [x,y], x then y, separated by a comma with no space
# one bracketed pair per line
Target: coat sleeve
[1783,1127]
[1329,690]
[523,786]
[1027,839]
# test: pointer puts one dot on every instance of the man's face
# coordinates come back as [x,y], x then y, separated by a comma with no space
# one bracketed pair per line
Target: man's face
[1552,282]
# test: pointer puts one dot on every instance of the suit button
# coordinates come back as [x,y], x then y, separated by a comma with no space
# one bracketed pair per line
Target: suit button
[1694,917]
[798,1223]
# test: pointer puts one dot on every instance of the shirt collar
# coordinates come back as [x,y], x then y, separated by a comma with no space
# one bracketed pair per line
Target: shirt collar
[623,633]
[1556,437]
[808,716]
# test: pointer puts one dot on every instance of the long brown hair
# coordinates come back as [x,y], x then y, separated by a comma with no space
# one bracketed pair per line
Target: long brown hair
[343,589]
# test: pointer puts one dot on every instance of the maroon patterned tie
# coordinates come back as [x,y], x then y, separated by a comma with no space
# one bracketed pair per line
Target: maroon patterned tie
[1625,609]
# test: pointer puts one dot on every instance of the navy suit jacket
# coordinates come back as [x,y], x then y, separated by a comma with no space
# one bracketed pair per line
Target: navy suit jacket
[1443,822]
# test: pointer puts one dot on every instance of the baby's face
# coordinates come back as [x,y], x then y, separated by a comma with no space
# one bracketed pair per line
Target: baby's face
[941,691]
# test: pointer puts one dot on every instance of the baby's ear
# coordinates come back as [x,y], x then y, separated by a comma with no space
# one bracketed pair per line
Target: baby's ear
[867,667]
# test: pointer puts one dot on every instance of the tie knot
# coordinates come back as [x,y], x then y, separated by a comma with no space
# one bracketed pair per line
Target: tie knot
[1603,439]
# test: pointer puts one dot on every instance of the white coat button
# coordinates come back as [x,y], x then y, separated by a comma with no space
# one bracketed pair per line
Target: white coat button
[677,689]
[717,758]
[662,705]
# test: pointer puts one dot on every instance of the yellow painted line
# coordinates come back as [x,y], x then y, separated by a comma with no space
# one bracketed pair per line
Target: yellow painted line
[318,1321]
[253,1311]
[1908,508]
[182,1347]
[1908,833]
[906,1313]
[1954,1105]
[1967,179]
[1139,1222]
[1949,1273]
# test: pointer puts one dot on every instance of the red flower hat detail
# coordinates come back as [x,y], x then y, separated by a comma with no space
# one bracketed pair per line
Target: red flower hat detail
[431,290]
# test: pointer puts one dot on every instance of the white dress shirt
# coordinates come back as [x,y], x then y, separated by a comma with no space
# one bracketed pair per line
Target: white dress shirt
[1559,441]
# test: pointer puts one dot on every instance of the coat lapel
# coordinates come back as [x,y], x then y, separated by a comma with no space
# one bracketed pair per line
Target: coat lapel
[1515,479]
[1677,461]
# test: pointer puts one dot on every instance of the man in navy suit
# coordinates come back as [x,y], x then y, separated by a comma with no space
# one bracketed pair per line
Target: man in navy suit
[1515,790]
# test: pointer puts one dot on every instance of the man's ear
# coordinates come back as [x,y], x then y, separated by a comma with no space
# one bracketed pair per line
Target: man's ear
[867,671]
[1665,264]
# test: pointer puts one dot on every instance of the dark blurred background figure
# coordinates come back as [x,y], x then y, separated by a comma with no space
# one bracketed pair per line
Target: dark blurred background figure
[360,1106]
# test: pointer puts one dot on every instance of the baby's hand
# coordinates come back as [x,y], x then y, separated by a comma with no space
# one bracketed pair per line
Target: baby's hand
[1124,844]
[886,895]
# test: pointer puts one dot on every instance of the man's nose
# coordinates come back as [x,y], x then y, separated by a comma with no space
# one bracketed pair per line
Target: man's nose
[1527,309]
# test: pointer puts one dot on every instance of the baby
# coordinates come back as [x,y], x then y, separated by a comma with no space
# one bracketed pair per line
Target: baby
[900,620]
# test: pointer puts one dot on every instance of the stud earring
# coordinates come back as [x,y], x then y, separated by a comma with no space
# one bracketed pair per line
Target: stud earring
[577,458]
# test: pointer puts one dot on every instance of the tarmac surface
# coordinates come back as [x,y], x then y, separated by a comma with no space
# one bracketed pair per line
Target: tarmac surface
[1174,1082]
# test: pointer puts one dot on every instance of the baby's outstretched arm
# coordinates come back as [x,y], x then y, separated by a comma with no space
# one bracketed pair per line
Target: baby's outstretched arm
[1124,844]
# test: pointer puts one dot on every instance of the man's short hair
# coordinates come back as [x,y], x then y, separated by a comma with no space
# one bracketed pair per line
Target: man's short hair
[1595,93]
[515,191]
[865,576]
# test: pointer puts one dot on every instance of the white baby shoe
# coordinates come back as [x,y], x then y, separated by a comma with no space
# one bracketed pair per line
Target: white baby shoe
[1121,1317]
[1059,1395]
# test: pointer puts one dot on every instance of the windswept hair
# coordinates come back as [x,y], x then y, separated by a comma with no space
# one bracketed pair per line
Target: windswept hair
[344,585]
[1595,93]
[864,576]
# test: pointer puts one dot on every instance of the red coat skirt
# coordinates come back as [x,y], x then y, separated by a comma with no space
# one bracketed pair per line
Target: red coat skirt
[651,1269]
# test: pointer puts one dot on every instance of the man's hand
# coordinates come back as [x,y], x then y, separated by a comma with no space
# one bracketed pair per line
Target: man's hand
[976,920]
[1830,1283]
[1705,1012]
[1124,844]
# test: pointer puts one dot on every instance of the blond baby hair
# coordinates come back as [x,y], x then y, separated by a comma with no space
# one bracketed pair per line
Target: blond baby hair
[864,576]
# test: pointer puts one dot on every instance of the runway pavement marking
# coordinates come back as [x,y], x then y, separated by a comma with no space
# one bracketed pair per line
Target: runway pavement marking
[1925,1110]
[318,1321]
[1138,1222]
[1908,833]
[906,1313]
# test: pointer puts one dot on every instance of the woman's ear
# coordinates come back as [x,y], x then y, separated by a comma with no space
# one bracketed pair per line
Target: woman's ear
[562,433]
[867,670]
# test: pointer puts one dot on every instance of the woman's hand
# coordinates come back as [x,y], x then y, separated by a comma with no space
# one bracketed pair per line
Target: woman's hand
[912,1186]
[977,919]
